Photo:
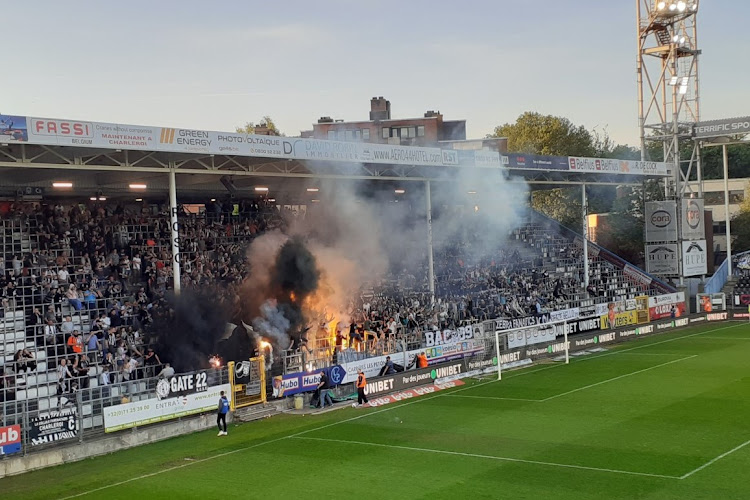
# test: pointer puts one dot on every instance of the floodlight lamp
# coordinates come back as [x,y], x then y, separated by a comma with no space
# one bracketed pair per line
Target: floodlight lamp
[672,7]
[675,38]
[661,5]
[682,40]
[681,6]
[694,7]
[673,80]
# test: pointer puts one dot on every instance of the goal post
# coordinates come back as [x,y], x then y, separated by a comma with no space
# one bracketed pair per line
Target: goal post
[516,338]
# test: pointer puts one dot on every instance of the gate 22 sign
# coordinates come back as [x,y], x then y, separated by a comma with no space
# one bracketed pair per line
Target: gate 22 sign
[181,385]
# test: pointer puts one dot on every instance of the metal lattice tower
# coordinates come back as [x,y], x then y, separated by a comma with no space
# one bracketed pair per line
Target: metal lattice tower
[668,84]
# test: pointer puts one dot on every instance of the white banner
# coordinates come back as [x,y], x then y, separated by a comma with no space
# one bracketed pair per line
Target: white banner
[694,258]
[154,410]
[666,300]
[531,336]
[661,221]
[144,138]
[80,133]
[692,220]
[621,167]
[662,259]
[371,366]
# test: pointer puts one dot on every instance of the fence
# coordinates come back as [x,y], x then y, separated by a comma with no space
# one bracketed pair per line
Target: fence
[248,381]
[79,415]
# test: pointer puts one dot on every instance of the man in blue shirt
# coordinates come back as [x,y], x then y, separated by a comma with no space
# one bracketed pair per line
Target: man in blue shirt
[221,417]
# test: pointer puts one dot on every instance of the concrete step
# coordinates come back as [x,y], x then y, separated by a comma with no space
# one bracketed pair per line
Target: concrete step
[256,412]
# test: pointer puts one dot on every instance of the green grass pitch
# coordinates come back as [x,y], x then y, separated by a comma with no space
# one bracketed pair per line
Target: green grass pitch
[664,417]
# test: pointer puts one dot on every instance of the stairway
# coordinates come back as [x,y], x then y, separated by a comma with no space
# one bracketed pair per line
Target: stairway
[256,412]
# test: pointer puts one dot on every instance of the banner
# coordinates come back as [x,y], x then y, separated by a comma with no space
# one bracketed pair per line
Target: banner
[661,221]
[154,410]
[636,274]
[102,135]
[10,439]
[413,378]
[722,128]
[535,162]
[181,385]
[667,306]
[531,336]
[694,259]
[448,337]
[692,220]
[615,319]
[621,167]
[662,259]
[53,426]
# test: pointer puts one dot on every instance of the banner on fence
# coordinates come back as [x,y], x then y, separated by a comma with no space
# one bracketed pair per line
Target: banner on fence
[10,439]
[154,410]
[53,426]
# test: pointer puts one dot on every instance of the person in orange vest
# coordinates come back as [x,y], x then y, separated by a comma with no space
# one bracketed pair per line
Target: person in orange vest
[422,360]
[361,384]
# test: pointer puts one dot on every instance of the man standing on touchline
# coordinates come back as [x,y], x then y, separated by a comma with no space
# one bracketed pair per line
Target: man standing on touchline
[361,384]
[221,417]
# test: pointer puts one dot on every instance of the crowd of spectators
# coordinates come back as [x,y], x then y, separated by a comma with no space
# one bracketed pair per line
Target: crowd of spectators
[93,275]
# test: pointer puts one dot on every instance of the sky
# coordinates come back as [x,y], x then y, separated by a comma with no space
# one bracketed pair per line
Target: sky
[217,65]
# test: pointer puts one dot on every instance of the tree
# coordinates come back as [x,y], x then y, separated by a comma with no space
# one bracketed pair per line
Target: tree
[266,122]
[534,133]
[740,226]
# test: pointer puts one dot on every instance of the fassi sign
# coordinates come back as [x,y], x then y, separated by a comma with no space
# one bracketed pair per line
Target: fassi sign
[61,128]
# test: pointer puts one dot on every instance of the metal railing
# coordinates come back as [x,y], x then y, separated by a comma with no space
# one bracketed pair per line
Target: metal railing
[79,413]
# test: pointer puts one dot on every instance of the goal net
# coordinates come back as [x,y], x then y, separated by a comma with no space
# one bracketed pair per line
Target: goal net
[514,345]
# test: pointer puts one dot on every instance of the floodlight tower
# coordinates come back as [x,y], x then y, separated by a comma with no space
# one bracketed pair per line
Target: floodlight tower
[668,85]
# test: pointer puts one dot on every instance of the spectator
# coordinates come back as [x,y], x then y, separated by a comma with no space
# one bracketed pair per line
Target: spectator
[167,372]
[75,343]
[388,367]
[323,387]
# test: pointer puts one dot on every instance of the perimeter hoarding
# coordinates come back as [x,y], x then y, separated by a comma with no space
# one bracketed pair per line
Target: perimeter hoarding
[621,167]
[88,134]
[10,440]
[154,410]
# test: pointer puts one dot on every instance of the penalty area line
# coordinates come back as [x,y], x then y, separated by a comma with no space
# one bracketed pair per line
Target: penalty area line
[490,457]
[713,461]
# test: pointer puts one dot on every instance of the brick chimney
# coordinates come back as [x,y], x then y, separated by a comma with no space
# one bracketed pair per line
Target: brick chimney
[380,108]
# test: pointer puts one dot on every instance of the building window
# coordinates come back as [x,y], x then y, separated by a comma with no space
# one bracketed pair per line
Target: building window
[420,131]
[386,132]
[404,132]
[331,135]
[349,135]
[736,196]
[366,134]
[720,227]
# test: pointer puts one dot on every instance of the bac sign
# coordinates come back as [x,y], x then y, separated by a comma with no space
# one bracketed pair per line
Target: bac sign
[10,439]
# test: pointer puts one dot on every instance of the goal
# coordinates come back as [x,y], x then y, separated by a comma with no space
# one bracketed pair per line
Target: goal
[516,343]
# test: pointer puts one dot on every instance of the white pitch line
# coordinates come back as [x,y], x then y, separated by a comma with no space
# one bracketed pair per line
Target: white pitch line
[618,351]
[490,457]
[618,378]
[197,461]
[490,397]
[726,338]
[169,469]
[711,462]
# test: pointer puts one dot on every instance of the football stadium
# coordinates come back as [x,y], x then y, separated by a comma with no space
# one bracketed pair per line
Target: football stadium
[380,307]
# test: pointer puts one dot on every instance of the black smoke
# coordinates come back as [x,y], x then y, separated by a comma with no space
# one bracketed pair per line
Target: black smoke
[188,328]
